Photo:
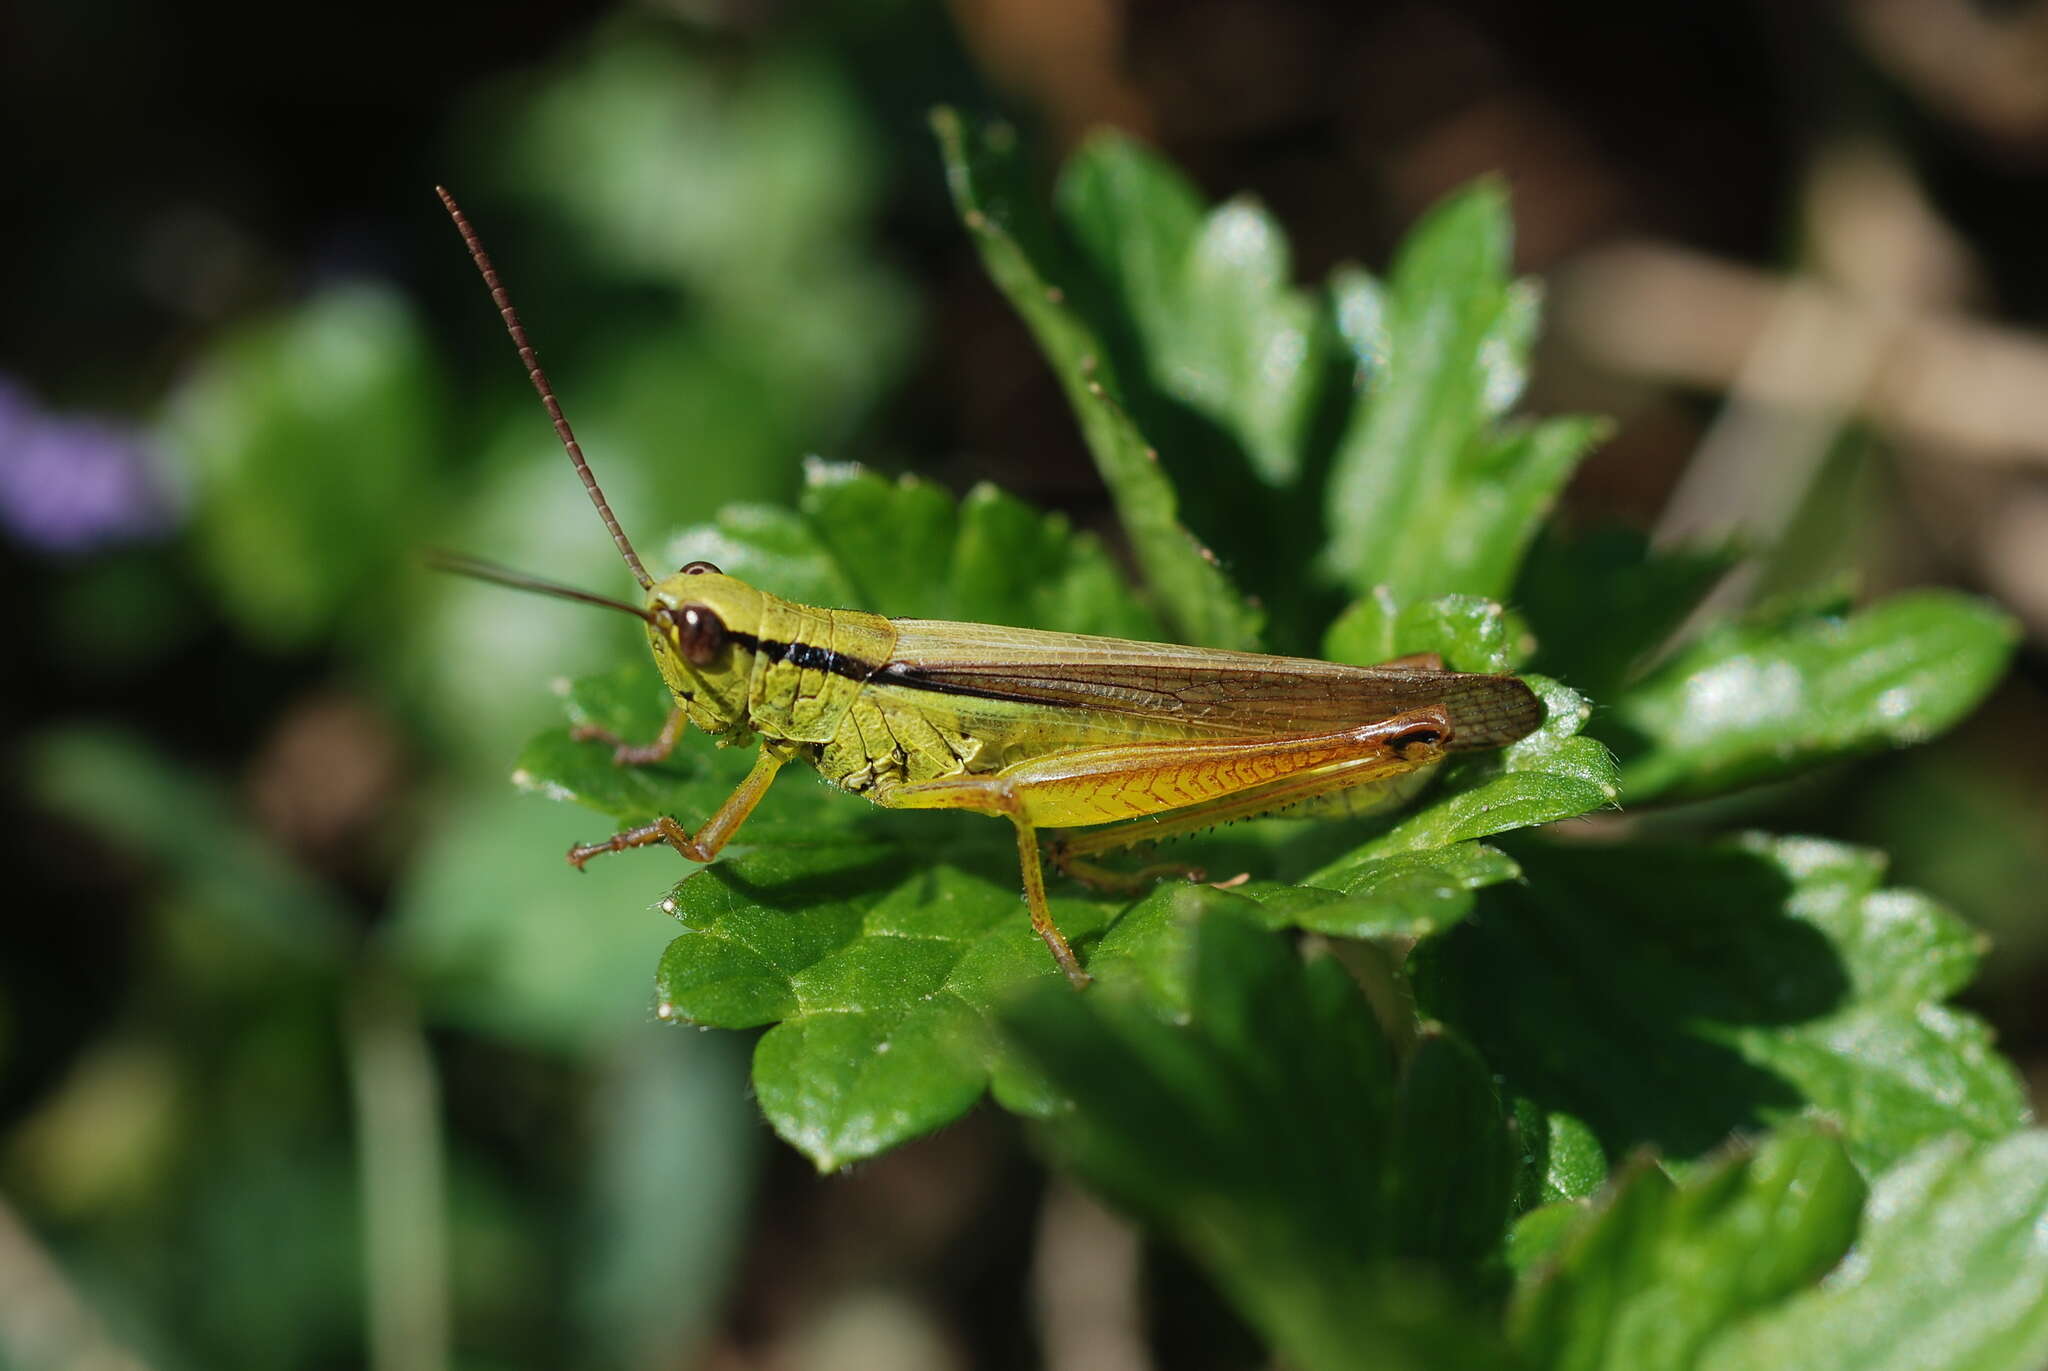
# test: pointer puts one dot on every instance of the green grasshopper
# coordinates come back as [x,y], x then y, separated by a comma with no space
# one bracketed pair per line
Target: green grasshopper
[1124,741]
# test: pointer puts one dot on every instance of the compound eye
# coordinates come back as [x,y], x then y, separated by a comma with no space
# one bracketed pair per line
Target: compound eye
[699,569]
[699,634]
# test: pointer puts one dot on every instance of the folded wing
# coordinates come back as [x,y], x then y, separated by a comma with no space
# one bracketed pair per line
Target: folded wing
[1228,693]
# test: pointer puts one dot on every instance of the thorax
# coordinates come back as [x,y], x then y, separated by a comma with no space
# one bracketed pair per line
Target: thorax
[809,665]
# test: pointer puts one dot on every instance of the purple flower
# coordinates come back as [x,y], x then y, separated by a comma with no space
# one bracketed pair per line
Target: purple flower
[70,485]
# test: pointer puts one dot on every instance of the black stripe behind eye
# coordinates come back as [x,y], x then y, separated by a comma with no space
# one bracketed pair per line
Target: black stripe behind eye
[806,656]
[811,657]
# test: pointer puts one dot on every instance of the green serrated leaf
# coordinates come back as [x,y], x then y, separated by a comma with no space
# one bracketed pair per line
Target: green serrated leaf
[1192,590]
[689,784]
[888,538]
[904,548]
[1217,324]
[772,547]
[881,971]
[1468,632]
[1133,217]
[1653,1271]
[1509,491]
[1759,700]
[1949,1272]
[1668,995]
[630,702]
[1424,497]
[1151,946]
[803,922]
[1265,1129]
[1404,894]
[1003,561]
[1574,1163]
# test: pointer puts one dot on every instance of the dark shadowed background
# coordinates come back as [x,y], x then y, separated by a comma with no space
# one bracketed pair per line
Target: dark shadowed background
[312,1052]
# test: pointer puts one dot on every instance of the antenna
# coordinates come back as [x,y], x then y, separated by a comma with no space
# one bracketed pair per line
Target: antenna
[478,569]
[540,383]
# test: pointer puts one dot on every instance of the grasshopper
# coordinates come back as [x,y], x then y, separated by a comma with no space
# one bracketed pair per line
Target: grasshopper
[1084,744]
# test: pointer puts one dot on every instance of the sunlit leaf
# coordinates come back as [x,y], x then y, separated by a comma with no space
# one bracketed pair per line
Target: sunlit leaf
[1218,325]
[1752,702]
[1949,1271]
[1192,590]
[1650,1273]
[1469,633]
[1427,496]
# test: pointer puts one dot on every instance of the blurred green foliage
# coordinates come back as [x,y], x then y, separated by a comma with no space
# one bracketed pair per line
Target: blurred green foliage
[312,438]
[724,213]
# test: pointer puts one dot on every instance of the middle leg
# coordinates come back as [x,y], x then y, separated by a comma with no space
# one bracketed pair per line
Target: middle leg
[992,795]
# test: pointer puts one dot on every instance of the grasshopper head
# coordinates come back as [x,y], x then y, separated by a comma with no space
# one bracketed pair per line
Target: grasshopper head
[703,626]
